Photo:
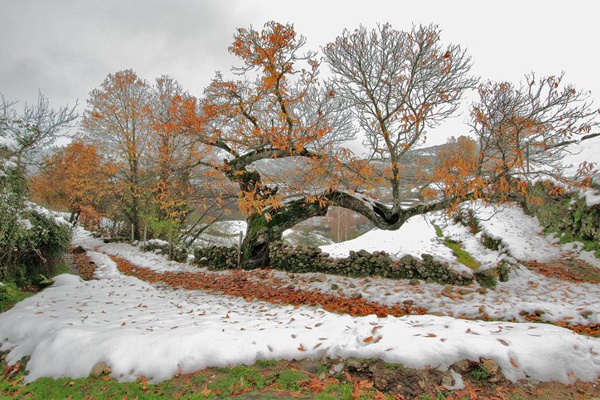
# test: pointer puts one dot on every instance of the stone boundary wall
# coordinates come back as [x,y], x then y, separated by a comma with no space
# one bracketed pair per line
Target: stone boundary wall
[358,264]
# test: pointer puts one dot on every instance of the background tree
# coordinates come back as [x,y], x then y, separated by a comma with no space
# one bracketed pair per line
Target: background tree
[35,127]
[30,243]
[118,120]
[171,150]
[454,166]
[184,201]
[523,132]
[342,224]
[399,84]
[76,177]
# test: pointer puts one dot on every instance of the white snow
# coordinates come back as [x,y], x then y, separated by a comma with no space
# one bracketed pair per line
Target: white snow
[151,330]
[9,143]
[415,237]
[519,232]
[525,292]
[587,151]
[223,233]
[157,242]
[592,197]
[25,224]
[142,329]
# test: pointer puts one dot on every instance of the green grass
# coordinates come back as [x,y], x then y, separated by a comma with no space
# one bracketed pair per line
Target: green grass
[462,256]
[61,268]
[266,363]
[263,380]
[480,373]
[239,378]
[11,296]
[291,380]
[588,245]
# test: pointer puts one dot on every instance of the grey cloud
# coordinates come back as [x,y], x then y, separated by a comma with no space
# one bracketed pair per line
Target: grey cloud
[67,47]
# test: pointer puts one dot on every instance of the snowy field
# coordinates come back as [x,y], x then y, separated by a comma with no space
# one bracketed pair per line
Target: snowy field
[142,329]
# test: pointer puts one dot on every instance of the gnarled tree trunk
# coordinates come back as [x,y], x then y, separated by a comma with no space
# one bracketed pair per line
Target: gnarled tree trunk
[261,232]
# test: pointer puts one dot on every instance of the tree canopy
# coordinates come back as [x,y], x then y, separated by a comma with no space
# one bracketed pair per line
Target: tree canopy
[276,132]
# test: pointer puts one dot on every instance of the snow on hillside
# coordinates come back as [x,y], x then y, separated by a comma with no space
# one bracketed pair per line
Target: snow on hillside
[143,329]
[520,233]
[146,329]
[222,233]
[588,150]
[415,237]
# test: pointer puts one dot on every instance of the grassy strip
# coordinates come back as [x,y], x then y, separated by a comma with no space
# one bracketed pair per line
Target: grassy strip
[11,295]
[309,379]
[462,256]
[263,380]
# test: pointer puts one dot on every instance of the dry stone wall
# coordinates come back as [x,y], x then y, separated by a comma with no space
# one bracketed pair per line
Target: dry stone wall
[357,264]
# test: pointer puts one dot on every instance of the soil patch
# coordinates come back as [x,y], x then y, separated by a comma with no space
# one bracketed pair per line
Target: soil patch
[567,268]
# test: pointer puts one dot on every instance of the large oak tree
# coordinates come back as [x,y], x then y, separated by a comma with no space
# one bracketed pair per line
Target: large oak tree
[398,85]
[277,131]
[285,112]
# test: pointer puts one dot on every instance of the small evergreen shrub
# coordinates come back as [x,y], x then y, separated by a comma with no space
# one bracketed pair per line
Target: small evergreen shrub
[34,247]
[31,243]
[567,215]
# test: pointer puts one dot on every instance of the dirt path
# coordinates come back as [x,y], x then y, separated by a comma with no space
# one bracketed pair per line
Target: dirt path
[70,260]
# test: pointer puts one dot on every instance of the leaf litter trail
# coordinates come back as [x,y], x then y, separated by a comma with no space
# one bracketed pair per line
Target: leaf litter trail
[527,297]
[260,285]
[264,286]
[152,330]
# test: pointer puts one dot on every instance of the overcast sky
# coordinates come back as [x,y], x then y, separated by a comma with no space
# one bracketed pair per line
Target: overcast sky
[65,48]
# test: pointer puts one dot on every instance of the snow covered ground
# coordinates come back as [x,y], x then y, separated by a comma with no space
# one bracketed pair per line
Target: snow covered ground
[146,329]
[520,234]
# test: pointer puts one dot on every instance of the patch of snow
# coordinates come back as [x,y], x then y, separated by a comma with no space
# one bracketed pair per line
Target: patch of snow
[521,233]
[525,293]
[222,233]
[415,237]
[9,143]
[590,258]
[583,151]
[25,224]
[157,242]
[592,197]
[459,384]
[142,329]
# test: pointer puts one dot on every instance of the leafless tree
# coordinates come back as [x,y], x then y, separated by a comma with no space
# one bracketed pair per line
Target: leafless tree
[398,84]
[523,131]
[34,128]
